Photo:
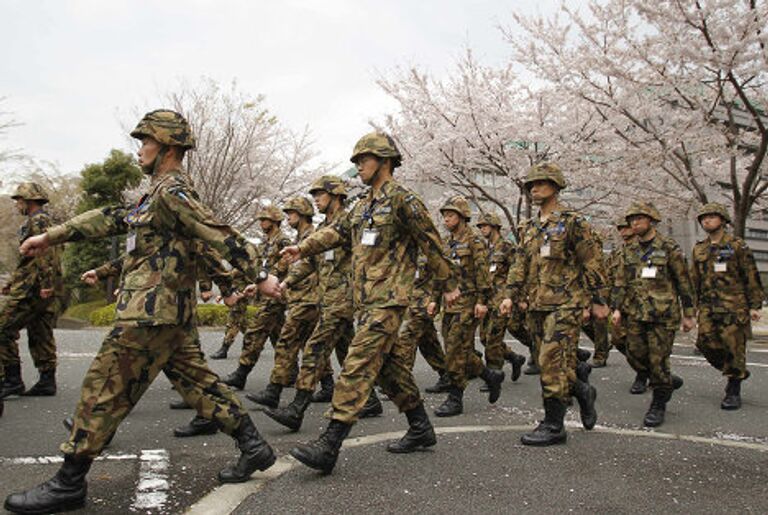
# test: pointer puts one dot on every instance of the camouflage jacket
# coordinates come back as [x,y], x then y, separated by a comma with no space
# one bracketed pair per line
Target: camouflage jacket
[725,277]
[269,250]
[422,292]
[469,253]
[500,257]
[385,230]
[334,270]
[33,274]
[612,263]
[157,286]
[304,290]
[652,282]
[559,264]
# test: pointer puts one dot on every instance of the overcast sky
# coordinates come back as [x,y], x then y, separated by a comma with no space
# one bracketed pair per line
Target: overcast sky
[73,70]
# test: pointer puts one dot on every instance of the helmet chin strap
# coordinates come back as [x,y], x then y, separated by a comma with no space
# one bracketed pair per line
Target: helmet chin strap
[153,167]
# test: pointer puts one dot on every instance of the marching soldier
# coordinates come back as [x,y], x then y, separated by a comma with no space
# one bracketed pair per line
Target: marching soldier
[34,290]
[559,271]
[651,285]
[237,322]
[729,294]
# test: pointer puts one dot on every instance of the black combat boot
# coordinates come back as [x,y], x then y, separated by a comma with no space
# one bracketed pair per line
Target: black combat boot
[551,430]
[269,396]
[655,415]
[45,386]
[441,386]
[322,453]
[256,454]
[453,405]
[325,393]
[237,378]
[420,434]
[640,385]
[372,407]
[677,382]
[63,492]
[732,400]
[493,378]
[221,353]
[517,361]
[586,394]
[583,354]
[196,427]
[13,385]
[533,368]
[292,415]
[583,371]
[179,404]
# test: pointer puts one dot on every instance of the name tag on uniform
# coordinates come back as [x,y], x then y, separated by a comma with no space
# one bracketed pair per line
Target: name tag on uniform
[130,243]
[721,267]
[493,267]
[264,263]
[418,274]
[369,237]
[545,250]
[328,255]
[649,272]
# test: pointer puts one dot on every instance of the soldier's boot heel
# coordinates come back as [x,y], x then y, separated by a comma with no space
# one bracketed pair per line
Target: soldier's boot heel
[372,407]
[237,378]
[221,353]
[255,454]
[441,386]
[494,379]
[322,453]
[196,427]
[583,355]
[420,434]
[732,400]
[517,361]
[586,394]
[179,404]
[292,415]
[269,397]
[63,492]
[44,387]
[453,404]
[551,430]
[532,369]
[13,385]
[677,382]
[655,415]
[325,393]
[640,385]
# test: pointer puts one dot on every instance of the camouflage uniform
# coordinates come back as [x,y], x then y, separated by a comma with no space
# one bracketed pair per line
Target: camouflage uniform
[237,322]
[25,307]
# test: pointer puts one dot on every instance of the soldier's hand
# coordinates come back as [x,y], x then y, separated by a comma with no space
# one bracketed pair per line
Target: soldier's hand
[270,287]
[291,254]
[616,318]
[46,293]
[206,295]
[432,309]
[600,311]
[585,314]
[90,278]
[218,299]
[688,324]
[232,299]
[6,289]
[451,297]
[250,290]
[506,307]
[755,315]
[35,245]
[480,311]
[523,306]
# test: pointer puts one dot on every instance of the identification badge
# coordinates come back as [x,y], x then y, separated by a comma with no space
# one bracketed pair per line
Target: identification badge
[493,268]
[418,274]
[545,250]
[649,272]
[369,237]
[264,263]
[721,267]
[130,243]
[328,255]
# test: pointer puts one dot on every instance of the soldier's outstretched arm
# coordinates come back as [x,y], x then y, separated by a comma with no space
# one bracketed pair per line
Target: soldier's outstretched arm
[751,277]
[682,280]
[211,269]
[589,253]
[327,238]
[300,271]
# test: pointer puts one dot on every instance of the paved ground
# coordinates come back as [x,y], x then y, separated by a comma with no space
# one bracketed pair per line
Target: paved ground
[702,459]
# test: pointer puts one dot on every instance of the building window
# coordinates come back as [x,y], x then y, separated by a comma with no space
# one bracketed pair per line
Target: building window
[757,234]
[760,255]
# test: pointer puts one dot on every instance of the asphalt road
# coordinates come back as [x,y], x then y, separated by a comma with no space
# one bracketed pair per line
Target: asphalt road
[701,459]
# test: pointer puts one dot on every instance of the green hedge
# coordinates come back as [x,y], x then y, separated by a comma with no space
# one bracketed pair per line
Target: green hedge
[83,311]
[207,314]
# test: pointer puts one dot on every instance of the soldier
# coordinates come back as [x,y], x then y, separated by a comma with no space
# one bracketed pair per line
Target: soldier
[729,293]
[35,290]
[384,230]
[558,271]
[335,328]
[303,312]
[270,313]
[651,284]
[154,320]
[237,322]
[500,255]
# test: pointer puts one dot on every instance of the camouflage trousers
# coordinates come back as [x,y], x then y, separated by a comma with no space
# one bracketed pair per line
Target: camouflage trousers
[597,331]
[556,336]
[237,322]
[619,338]
[517,326]
[649,346]
[334,331]
[492,331]
[723,341]
[461,361]
[300,321]
[39,317]
[419,333]
[376,355]
[267,323]
[127,363]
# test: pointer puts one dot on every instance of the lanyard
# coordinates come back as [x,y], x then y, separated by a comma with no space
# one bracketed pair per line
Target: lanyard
[140,207]
[368,213]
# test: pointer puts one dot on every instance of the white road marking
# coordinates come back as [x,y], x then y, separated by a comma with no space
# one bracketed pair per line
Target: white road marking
[46,460]
[152,489]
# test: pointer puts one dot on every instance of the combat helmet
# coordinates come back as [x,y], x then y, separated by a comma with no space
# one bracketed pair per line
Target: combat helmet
[621,221]
[643,208]
[271,213]
[489,219]
[713,208]
[301,205]
[380,145]
[332,184]
[459,204]
[545,172]
[166,127]
[30,191]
